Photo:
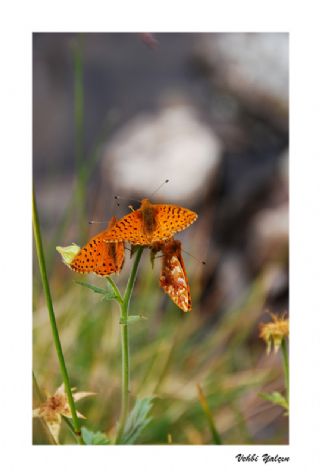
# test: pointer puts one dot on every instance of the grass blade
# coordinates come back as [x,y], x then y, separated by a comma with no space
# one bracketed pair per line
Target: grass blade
[206,409]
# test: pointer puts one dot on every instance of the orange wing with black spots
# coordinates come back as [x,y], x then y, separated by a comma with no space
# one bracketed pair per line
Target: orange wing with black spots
[173,278]
[100,257]
[151,223]
[172,219]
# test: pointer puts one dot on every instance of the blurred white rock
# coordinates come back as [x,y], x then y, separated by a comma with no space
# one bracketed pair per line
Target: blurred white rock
[275,279]
[252,66]
[269,235]
[173,144]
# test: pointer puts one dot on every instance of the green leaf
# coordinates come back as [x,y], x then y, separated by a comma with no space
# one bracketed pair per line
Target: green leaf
[107,293]
[276,398]
[137,420]
[93,288]
[94,438]
[132,319]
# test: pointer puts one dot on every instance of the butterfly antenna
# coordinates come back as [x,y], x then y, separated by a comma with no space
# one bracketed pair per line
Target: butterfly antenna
[117,198]
[166,181]
[199,261]
[92,222]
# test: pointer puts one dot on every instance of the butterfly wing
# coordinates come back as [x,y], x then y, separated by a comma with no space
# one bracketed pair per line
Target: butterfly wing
[99,257]
[129,228]
[174,281]
[112,258]
[170,220]
[166,220]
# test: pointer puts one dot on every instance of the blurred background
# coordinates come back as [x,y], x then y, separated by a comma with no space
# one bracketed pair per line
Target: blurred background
[117,114]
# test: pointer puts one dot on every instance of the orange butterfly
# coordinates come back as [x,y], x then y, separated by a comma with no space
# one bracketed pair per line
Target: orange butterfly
[173,279]
[151,223]
[100,257]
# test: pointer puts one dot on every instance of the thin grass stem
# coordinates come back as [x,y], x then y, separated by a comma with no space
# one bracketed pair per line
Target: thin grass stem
[216,438]
[125,345]
[79,133]
[284,349]
[54,328]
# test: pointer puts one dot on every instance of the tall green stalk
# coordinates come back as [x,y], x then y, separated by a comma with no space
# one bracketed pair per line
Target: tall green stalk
[216,438]
[124,306]
[79,133]
[54,328]
[284,349]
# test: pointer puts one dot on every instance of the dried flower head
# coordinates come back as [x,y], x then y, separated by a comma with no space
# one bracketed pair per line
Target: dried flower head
[274,332]
[55,406]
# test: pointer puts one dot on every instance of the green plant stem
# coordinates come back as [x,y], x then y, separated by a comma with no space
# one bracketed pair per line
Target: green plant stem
[284,349]
[79,133]
[54,328]
[116,290]
[216,438]
[125,344]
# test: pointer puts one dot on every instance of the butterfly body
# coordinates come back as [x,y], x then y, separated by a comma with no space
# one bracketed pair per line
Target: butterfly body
[151,223]
[148,217]
[100,257]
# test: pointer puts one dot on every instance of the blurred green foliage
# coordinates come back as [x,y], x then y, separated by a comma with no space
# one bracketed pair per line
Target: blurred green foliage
[171,352]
